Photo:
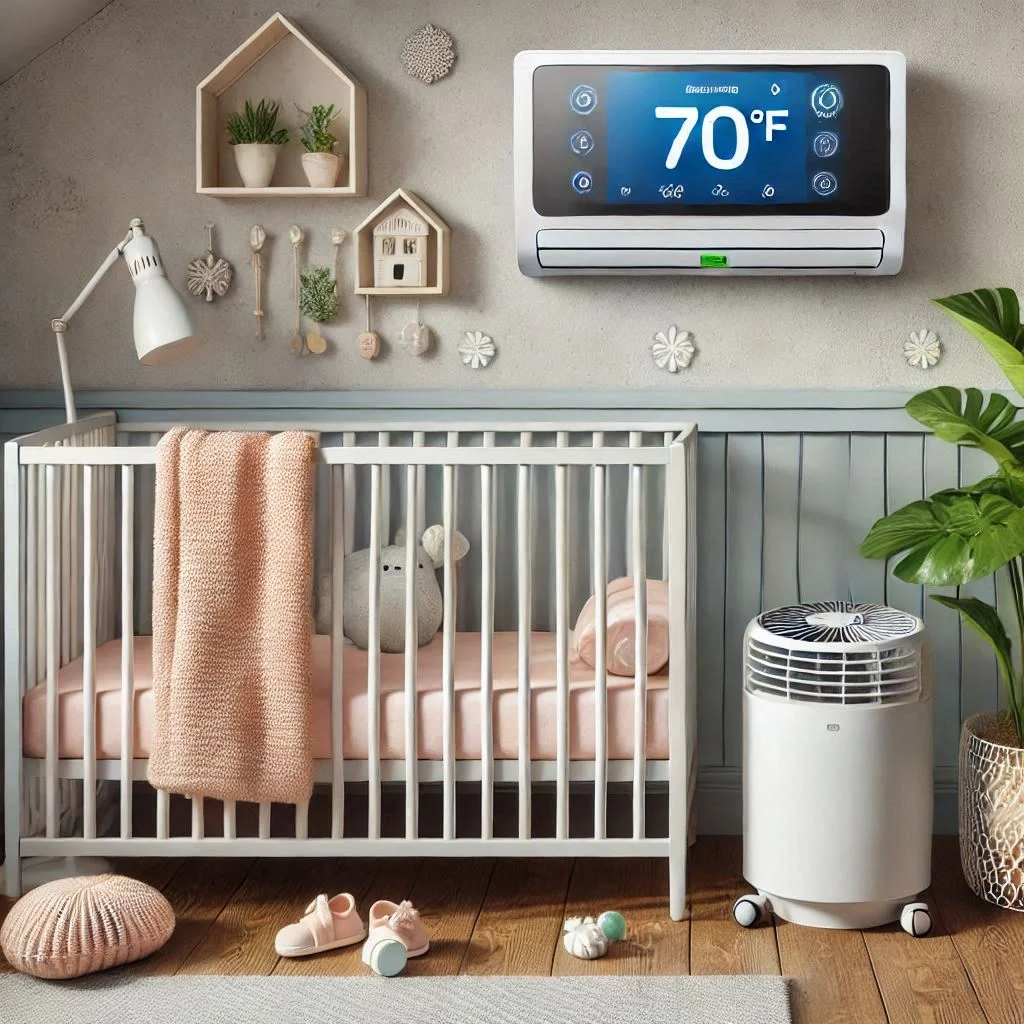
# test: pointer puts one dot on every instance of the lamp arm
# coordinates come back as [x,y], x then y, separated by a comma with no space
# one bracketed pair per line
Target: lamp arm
[61,325]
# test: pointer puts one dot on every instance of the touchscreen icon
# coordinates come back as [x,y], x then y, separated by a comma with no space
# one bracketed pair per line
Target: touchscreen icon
[767,192]
[581,143]
[824,183]
[826,100]
[583,99]
[720,190]
[826,144]
[582,182]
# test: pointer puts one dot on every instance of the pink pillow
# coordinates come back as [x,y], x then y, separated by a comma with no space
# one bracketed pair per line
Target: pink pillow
[622,628]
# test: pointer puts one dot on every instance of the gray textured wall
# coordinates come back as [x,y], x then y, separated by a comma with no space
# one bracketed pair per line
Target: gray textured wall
[100,129]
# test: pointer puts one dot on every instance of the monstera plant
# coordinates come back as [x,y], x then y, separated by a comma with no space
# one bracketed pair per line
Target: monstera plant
[964,534]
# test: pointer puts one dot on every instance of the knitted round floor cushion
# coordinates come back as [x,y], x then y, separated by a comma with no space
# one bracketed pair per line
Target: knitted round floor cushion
[75,926]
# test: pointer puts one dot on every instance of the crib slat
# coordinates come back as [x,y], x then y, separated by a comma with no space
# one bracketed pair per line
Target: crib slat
[230,820]
[302,820]
[487,646]
[524,622]
[127,645]
[163,814]
[384,441]
[76,560]
[600,579]
[197,818]
[667,441]
[31,555]
[448,652]
[338,519]
[66,526]
[411,648]
[419,439]
[52,648]
[639,549]
[635,441]
[264,823]
[373,658]
[89,653]
[349,440]
[562,653]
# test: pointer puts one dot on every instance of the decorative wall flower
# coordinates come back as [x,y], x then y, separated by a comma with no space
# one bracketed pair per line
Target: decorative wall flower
[922,349]
[673,350]
[428,54]
[477,350]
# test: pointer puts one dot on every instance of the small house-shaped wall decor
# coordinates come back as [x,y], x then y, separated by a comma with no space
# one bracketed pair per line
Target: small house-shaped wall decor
[280,64]
[402,249]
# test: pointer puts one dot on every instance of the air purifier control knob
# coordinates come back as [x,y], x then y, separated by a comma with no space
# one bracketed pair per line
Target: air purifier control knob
[835,620]
[750,910]
[916,919]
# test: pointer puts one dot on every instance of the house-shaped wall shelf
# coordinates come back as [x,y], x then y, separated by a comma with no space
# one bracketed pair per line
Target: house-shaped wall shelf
[402,249]
[280,63]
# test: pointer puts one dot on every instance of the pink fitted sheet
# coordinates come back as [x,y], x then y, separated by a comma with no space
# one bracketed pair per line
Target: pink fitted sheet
[392,703]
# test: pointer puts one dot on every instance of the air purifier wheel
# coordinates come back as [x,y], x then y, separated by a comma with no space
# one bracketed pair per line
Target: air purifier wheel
[750,910]
[916,919]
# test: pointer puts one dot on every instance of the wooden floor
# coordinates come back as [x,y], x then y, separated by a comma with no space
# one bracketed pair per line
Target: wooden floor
[504,917]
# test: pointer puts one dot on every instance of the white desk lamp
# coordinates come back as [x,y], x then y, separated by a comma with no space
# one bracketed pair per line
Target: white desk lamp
[163,326]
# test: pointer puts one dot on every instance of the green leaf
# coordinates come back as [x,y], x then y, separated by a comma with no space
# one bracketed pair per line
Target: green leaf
[985,621]
[950,539]
[992,315]
[965,418]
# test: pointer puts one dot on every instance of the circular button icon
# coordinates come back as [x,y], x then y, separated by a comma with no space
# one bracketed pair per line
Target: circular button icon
[824,183]
[581,143]
[583,99]
[582,182]
[826,144]
[826,100]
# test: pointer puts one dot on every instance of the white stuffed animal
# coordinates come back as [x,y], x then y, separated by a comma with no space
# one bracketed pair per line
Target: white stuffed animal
[584,939]
[429,602]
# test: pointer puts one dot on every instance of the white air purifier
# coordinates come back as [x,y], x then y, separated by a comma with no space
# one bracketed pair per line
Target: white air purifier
[837,767]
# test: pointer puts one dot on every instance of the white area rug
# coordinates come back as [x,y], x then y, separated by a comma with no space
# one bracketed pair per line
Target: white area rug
[119,998]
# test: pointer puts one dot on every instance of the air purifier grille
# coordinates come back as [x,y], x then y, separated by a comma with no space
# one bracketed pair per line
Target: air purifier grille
[839,622]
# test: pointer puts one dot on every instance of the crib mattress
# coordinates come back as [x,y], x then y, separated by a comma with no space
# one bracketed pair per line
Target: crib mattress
[392,703]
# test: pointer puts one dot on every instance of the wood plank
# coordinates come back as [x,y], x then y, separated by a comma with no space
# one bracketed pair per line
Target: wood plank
[199,891]
[922,979]
[824,491]
[718,945]
[779,584]
[865,504]
[654,944]
[367,880]
[711,587]
[273,894]
[904,483]
[831,974]
[521,918]
[988,939]
[154,871]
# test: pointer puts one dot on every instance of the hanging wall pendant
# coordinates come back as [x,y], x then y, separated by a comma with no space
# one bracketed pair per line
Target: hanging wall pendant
[477,350]
[297,345]
[416,337]
[257,236]
[673,350]
[368,342]
[337,238]
[922,349]
[209,274]
[318,300]
[429,54]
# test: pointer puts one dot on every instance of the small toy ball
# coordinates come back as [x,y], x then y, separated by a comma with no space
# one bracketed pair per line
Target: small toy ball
[583,939]
[613,924]
[369,344]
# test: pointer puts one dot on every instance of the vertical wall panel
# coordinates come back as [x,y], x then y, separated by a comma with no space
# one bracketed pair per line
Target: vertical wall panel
[743,526]
[824,486]
[979,685]
[941,464]
[779,584]
[865,505]
[710,596]
[904,483]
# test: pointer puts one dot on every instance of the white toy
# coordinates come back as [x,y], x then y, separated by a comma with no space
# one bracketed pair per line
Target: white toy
[429,602]
[583,938]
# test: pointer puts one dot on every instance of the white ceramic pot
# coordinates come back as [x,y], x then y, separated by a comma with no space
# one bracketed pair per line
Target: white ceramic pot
[992,810]
[322,169]
[256,162]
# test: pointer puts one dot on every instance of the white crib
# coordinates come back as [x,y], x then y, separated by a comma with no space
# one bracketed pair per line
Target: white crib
[552,511]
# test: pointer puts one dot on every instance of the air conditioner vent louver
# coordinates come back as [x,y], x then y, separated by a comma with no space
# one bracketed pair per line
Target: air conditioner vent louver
[835,652]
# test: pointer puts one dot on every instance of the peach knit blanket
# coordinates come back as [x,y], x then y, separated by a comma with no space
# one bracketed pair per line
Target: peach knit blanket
[232,582]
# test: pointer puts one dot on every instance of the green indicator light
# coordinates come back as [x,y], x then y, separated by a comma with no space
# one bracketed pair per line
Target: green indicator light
[714,259]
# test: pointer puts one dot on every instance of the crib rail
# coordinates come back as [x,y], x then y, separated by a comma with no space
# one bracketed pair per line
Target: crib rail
[78,578]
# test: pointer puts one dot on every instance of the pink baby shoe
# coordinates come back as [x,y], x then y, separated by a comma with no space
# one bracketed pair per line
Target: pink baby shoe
[396,933]
[328,924]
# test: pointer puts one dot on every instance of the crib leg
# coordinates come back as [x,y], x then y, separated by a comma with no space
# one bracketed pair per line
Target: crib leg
[677,878]
[12,839]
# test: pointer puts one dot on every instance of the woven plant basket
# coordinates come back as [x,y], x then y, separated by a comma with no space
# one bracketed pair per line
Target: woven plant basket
[76,926]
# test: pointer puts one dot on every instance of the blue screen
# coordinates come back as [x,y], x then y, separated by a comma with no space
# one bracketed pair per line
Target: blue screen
[698,136]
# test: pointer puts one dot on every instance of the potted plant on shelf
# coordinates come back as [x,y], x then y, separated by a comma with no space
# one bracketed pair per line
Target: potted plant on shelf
[963,534]
[320,163]
[256,139]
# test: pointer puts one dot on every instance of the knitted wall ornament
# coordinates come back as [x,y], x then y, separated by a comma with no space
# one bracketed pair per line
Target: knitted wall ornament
[318,300]
[428,54]
[209,275]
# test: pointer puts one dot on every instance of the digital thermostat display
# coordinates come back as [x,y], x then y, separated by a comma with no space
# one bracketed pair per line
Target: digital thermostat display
[711,140]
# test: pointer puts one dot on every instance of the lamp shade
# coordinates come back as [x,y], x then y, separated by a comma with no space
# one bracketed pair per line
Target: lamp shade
[163,326]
